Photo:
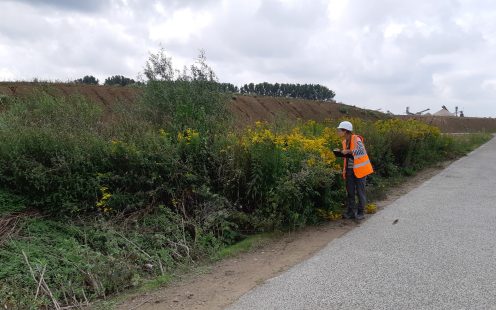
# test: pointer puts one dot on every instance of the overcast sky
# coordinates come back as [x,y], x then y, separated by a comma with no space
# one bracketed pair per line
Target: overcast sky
[384,54]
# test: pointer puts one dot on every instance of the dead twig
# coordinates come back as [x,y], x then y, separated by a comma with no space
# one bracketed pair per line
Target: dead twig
[44,285]
[9,224]
[135,245]
[39,283]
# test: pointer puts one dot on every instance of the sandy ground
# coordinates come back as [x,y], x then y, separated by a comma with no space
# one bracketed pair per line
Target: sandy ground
[224,282]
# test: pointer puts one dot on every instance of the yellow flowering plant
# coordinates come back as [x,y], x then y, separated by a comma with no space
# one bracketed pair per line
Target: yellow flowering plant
[188,136]
[371,208]
[102,203]
[314,141]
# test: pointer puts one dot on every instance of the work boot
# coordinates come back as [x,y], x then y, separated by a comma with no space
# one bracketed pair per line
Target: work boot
[348,216]
[360,216]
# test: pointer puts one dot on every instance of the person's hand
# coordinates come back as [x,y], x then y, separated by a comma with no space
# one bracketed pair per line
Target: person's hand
[345,152]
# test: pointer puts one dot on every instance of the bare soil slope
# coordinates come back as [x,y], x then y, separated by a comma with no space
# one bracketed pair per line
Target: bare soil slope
[252,108]
[105,95]
[249,109]
[453,124]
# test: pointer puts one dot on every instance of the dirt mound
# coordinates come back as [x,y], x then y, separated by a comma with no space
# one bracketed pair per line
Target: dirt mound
[246,108]
[249,109]
[253,108]
[105,95]
[453,124]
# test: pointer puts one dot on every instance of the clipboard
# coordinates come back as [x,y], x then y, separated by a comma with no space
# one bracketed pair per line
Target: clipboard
[337,153]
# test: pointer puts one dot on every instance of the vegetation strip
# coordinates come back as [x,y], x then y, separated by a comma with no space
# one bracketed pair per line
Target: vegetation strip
[166,183]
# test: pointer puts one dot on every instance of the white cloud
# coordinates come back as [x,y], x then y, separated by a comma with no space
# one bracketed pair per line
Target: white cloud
[6,74]
[489,85]
[442,87]
[180,27]
[393,30]
[337,9]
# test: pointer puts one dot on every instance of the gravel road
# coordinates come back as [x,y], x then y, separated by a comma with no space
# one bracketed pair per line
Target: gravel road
[434,248]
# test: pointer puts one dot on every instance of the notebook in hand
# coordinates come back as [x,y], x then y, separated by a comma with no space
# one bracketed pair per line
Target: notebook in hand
[337,153]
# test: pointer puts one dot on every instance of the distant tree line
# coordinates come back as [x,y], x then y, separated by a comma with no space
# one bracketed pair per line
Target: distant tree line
[228,88]
[302,91]
[110,81]
[118,80]
[87,79]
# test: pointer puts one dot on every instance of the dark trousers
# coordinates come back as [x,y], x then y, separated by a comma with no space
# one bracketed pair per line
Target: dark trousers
[355,186]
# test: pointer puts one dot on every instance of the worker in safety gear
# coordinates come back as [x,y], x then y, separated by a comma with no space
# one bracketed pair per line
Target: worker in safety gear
[355,170]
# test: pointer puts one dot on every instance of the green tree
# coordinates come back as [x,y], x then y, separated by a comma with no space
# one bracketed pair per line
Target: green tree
[119,80]
[228,88]
[189,99]
[159,67]
[303,91]
[201,71]
[87,79]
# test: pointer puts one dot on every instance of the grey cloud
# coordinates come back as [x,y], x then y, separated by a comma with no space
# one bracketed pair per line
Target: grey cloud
[381,11]
[243,37]
[80,49]
[272,31]
[297,15]
[185,3]
[76,5]
[20,26]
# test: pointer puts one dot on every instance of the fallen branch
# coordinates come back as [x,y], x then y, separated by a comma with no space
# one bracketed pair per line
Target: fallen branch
[9,224]
[41,281]
[135,245]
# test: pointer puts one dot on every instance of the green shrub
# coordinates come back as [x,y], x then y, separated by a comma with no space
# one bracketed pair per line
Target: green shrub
[344,110]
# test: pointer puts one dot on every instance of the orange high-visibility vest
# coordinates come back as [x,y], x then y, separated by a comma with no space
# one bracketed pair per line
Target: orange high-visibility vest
[361,162]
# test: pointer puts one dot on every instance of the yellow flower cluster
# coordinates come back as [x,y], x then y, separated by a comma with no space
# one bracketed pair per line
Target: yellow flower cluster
[412,128]
[162,132]
[188,135]
[371,208]
[329,215]
[118,146]
[317,142]
[102,203]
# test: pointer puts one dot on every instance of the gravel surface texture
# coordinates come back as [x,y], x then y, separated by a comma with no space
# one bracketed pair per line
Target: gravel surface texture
[434,248]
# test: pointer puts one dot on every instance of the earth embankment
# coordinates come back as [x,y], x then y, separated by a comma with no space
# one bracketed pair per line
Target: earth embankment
[248,109]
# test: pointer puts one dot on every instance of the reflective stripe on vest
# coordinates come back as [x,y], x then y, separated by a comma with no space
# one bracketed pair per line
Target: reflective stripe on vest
[361,162]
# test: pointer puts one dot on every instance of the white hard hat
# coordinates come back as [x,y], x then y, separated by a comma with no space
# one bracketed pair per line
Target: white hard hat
[346,125]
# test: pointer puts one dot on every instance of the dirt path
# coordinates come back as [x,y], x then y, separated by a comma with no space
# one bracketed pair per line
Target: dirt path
[229,279]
